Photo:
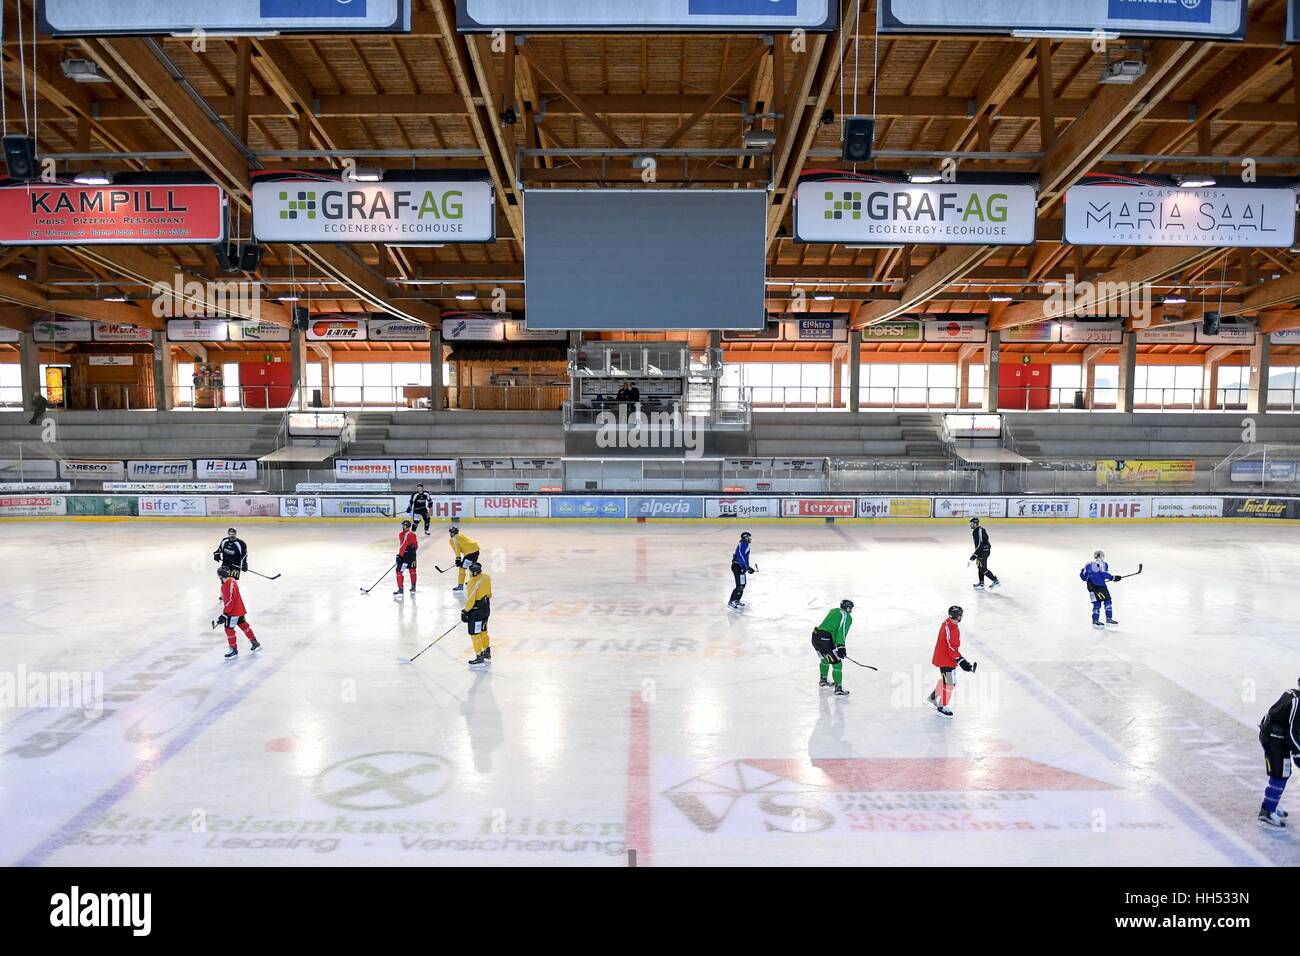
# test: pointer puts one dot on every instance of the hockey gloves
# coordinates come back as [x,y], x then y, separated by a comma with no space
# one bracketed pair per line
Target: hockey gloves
[464,617]
[968,666]
[841,652]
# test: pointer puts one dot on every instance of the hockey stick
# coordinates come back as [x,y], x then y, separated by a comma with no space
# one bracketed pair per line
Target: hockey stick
[442,570]
[404,660]
[381,577]
[1135,573]
[860,664]
[261,575]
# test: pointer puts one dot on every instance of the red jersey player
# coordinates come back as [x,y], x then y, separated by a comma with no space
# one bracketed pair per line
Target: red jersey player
[407,545]
[233,613]
[947,657]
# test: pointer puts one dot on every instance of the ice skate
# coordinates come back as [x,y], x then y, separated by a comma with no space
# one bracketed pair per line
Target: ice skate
[943,712]
[824,683]
[979,587]
[1111,622]
[232,653]
[995,585]
[255,646]
[840,691]
[1272,820]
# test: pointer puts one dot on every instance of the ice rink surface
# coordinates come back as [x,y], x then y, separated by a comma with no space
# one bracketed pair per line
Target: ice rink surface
[628,708]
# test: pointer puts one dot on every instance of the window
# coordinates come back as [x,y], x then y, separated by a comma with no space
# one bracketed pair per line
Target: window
[1066,380]
[1234,385]
[184,382]
[1282,383]
[778,383]
[1105,385]
[1162,386]
[915,384]
[11,385]
[975,384]
[347,378]
[231,394]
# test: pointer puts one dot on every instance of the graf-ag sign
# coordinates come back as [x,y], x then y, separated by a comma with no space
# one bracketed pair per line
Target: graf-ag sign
[79,18]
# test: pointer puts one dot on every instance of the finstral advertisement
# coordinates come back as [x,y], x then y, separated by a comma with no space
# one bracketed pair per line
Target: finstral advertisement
[882,213]
[1116,215]
[316,209]
[655,16]
[79,18]
[43,214]
[1207,19]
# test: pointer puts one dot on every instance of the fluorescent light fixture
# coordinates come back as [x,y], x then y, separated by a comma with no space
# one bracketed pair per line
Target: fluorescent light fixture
[366,174]
[83,71]
[94,177]
[823,297]
[467,296]
[1063,34]
[924,176]
[1195,180]
[116,298]
[1173,300]
[759,139]
[1000,297]
[289,297]
[1124,72]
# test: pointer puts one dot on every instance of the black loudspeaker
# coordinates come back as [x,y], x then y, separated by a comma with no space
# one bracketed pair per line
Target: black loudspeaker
[227,256]
[301,318]
[1210,324]
[20,156]
[250,258]
[859,134]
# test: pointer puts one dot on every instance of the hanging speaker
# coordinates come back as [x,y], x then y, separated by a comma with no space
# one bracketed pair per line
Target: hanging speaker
[250,257]
[227,256]
[859,132]
[1211,324]
[20,156]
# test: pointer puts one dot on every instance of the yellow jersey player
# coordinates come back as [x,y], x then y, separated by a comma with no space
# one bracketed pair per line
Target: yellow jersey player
[478,608]
[465,550]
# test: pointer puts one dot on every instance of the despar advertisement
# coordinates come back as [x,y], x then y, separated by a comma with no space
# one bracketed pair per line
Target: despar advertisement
[91,469]
[357,508]
[442,507]
[742,508]
[28,469]
[172,506]
[1111,214]
[103,506]
[21,506]
[300,506]
[40,214]
[226,469]
[950,507]
[228,506]
[1042,507]
[357,469]
[1188,506]
[1115,508]
[583,507]
[320,209]
[426,470]
[818,508]
[1261,508]
[665,507]
[173,470]
[862,211]
[512,506]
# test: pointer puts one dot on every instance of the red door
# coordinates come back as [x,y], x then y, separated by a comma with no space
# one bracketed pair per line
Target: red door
[1038,386]
[1011,387]
[266,384]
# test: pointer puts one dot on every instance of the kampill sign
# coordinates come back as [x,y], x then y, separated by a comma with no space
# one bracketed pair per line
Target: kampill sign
[36,214]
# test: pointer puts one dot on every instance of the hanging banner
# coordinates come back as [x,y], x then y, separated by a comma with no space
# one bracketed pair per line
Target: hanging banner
[1286,336]
[860,211]
[43,214]
[79,18]
[426,470]
[1037,332]
[645,16]
[1230,333]
[336,329]
[1113,215]
[396,330]
[957,330]
[1206,19]
[113,332]
[394,213]
[62,330]
[517,331]
[197,330]
[257,331]
[817,329]
[1091,333]
[771,332]
[900,331]
[1168,335]
[28,469]
[472,328]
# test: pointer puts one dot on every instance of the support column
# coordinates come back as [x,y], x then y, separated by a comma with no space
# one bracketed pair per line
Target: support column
[298,357]
[163,379]
[715,342]
[30,369]
[435,360]
[992,367]
[1257,399]
[1128,355]
[855,371]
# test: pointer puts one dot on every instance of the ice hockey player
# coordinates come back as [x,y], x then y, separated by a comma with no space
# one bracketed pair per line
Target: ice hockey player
[1279,733]
[233,613]
[418,507]
[1096,574]
[478,608]
[466,551]
[981,555]
[740,567]
[232,553]
[828,641]
[407,545]
[947,657]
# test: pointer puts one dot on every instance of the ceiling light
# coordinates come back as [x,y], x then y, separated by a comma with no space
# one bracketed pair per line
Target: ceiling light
[290,297]
[759,139]
[83,71]
[365,174]
[1173,300]
[924,176]
[116,298]
[1000,297]
[1194,180]
[468,296]
[94,177]
[1122,72]
[823,297]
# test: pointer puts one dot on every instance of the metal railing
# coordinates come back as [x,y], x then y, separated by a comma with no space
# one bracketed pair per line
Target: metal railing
[720,416]
[1268,468]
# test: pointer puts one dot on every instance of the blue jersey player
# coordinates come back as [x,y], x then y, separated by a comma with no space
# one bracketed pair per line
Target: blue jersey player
[740,567]
[1096,574]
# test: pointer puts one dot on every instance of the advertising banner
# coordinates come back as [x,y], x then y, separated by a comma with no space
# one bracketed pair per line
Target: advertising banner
[102,506]
[411,469]
[23,506]
[359,469]
[37,487]
[172,506]
[337,328]
[226,469]
[357,508]
[1286,336]
[645,16]
[818,508]
[28,469]
[517,331]
[468,327]
[445,507]
[300,506]
[1258,471]
[170,487]
[817,329]
[970,507]
[909,507]
[197,330]
[260,331]
[1206,19]
[957,330]
[654,507]
[1078,332]
[42,214]
[588,507]
[1230,333]
[62,330]
[341,487]
[512,506]
[1117,215]
[1167,335]
[79,18]
[860,211]
[899,331]
[252,506]
[115,332]
[1042,507]
[392,213]
[1187,507]
[873,507]
[1261,508]
[742,508]
[1115,508]
[1036,332]
[87,469]
[174,470]
[396,330]
[1130,473]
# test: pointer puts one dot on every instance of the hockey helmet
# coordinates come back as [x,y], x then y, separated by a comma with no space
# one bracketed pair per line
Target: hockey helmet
[955,612]
[745,536]
[846,605]
[476,568]
[231,533]
[406,524]
[1099,555]
[974,522]
[453,531]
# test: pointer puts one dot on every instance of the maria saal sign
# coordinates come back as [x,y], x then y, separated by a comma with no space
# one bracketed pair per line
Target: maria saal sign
[43,214]
[1113,214]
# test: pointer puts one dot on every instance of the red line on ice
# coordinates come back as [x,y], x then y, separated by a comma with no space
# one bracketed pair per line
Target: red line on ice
[637,824]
